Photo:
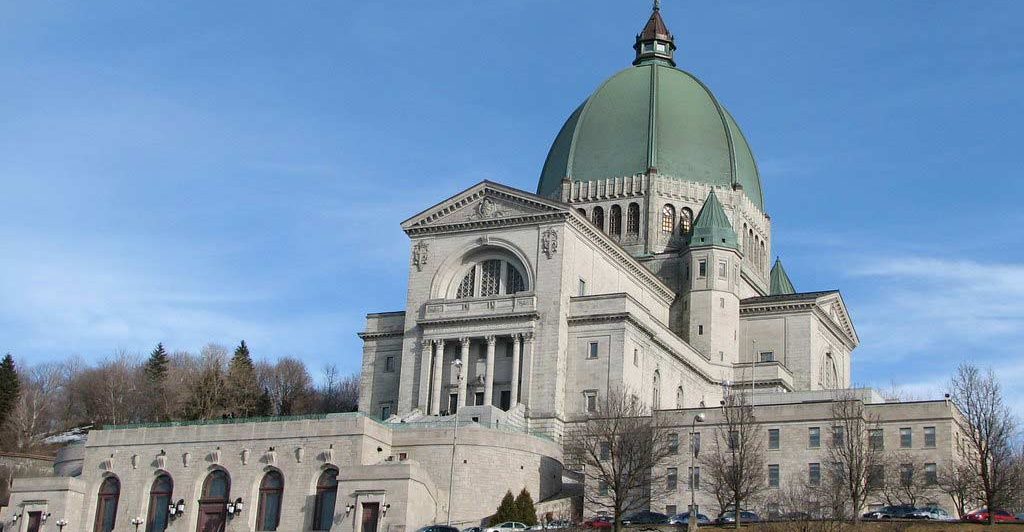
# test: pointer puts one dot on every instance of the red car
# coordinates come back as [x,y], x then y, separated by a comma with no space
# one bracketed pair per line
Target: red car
[598,521]
[981,516]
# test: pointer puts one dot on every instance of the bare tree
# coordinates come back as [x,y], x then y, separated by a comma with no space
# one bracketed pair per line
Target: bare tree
[288,384]
[912,483]
[958,480]
[620,449]
[337,393]
[35,412]
[988,425]
[206,389]
[856,456]
[735,467]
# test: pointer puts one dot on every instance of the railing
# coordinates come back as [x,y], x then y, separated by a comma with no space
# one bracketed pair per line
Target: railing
[481,306]
[501,427]
[226,421]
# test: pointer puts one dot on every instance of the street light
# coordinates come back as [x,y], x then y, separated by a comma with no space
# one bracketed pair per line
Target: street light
[61,523]
[694,451]
[137,521]
[457,366]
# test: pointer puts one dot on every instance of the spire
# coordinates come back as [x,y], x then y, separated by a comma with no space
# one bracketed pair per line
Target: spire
[654,42]
[780,283]
[712,227]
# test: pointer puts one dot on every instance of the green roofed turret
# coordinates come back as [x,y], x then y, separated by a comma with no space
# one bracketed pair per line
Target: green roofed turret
[712,227]
[780,283]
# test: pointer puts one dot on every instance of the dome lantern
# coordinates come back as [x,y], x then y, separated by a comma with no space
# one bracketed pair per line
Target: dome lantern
[654,42]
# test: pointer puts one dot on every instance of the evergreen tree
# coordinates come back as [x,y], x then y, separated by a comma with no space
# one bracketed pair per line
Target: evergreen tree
[265,405]
[243,388]
[10,386]
[525,512]
[156,366]
[506,510]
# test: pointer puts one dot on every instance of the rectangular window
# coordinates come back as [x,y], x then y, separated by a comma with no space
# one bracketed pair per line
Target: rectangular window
[389,364]
[508,349]
[670,510]
[767,356]
[814,474]
[700,329]
[583,287]
[814,437]
[906,475]
[906,438]
[636,357]
[673,443]
[479,396]
[385,412]
[773,438]
[723,270]
[931,474]
[702,269]
[838,436]
[876,441]
[592,350]
[602,488]
[671,478]
[773,475]
[590,401]
[694,475]
[929,436]
[876,476]
[733,439]
[694,442]
[606,450]
[453,403]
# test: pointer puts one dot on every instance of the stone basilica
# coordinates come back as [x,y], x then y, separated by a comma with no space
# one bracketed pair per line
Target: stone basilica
[642,262]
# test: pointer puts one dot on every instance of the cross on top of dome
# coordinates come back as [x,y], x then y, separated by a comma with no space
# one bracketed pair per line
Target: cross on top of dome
[655,42]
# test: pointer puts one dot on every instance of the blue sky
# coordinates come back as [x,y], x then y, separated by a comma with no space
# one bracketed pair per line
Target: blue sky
[196,172]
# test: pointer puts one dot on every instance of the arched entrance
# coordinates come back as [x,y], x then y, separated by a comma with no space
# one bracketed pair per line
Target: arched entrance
[213,504]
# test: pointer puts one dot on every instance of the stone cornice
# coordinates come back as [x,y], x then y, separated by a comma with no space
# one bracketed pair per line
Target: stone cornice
[519,316]
[491,223]
[376,335]
[812,306]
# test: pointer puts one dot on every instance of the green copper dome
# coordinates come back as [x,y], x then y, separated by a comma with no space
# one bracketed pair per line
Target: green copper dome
[652,116]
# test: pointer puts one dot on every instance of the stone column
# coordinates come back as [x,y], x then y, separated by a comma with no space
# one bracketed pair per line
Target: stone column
[423,395]
[435,404]
[516,345]
[465,371]
[527,380]
[489,373]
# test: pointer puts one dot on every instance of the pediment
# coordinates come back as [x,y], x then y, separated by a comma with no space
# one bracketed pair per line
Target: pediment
[833,307]
[484,204]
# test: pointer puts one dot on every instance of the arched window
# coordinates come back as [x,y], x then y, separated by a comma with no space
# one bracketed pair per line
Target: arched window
[106,505]
[656,395]
[268,513]
[762,256]
[599,218]
[750,247]
[668,219]
[615,221]
[582,211]
[213,502]
[685,221]
[159,499]
[633,219]
[326,498]
[679,397]
[490,278]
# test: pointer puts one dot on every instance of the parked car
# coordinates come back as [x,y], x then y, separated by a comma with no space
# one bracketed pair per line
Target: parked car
[473,529]
[683,519]
[730,517]
[507,526]
[438,528]
[891,512]
[556,524]
[598,521]
[981,516]
[645,517]
[933,513]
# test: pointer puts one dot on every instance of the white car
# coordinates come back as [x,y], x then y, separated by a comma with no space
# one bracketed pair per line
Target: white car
[507,526]
[933,513]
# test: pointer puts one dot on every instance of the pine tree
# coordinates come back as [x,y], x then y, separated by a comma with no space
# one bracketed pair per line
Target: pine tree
[156,366]
[10,386]
[243,388]
[506,510]
[525,512]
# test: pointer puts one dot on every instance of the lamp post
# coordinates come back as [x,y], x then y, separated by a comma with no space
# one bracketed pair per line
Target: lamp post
[137,521]
[694,451]
[61,523]
[457,366]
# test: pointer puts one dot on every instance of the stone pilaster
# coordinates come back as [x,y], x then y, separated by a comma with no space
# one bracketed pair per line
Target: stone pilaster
[489,372]
[525,385]
[435,403]
[423,394]
[516,346]
[465,369]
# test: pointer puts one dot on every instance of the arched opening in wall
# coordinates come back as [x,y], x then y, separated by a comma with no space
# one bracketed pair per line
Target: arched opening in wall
[106,504]
[213,502]
[490,274]
[160,498]
[615,221]
[656,392]
[685,221]
[633,219]
[268,512]
[764,255]
[599,218]
[679,397]
[746,243]
[750,244]
[668,218]
[830,377]
[326,499]
[582,211]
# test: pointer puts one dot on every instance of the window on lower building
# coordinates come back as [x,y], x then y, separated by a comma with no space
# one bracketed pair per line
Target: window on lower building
[673,443]
[929,436]
[876,476]
[389,364]
[767,356]
[326,497]
[773,438]
[733,439]
[694,442]
[838,436]
[931,474]
[702,269]
[592,350]
[602,488]
[814,474]
[385,412]
[773,475]
[906,438]
[590,401]
[605,451]
[671,478]
[906,475]
[876,441]
[670,510]
[268,510]
[694,478]
[700,329]
[723,270]
[814,437]
[479,397]
[583,287]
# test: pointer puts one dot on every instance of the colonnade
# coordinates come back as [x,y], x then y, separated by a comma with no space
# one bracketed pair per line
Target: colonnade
[432,369]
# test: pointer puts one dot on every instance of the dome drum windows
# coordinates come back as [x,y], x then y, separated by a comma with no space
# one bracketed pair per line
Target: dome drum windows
[490,278]
[615,221]
[685,221]
[598,217]
[633,220]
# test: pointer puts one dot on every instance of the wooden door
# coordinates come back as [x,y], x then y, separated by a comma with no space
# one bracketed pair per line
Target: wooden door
[35,520]
[370,510]
[212,517]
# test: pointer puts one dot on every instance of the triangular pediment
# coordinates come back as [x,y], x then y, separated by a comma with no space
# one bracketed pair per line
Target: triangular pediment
[484,204]
[834,308]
